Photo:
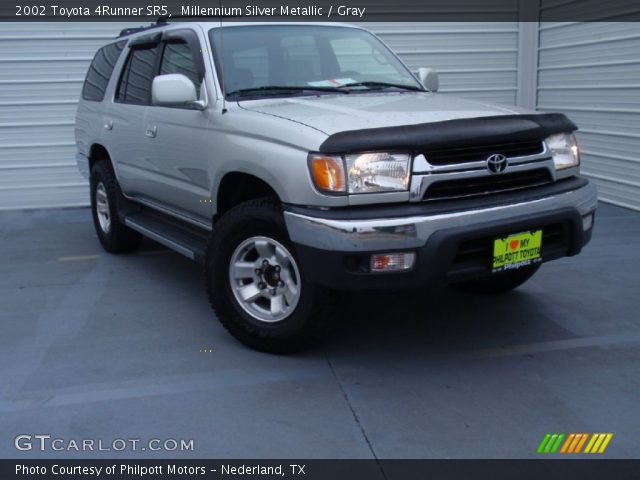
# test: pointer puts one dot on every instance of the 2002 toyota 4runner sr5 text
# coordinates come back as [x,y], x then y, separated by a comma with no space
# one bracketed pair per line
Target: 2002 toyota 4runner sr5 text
[296,160]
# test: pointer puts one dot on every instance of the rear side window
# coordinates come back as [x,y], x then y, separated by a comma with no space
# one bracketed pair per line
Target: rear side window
[100,71]
[135,82]
[178,58]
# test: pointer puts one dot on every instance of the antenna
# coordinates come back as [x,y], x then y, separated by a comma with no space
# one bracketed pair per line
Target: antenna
[222,83]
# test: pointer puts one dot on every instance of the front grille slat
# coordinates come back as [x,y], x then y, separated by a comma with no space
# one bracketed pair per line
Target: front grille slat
[466,187]
[454,156]
[444,182]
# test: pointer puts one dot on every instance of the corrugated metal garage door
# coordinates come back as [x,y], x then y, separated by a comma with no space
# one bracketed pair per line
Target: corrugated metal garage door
[474,59]
[42,66]
[591,71]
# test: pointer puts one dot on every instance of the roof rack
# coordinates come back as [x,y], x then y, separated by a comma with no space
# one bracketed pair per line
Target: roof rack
[163,21]
[142,28]
[166,19]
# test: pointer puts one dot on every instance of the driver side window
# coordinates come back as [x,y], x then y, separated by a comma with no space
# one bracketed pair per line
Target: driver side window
[177,57]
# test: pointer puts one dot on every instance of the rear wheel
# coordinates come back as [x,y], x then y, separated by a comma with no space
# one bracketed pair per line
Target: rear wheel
[256,285]
[499,282]
[114,235]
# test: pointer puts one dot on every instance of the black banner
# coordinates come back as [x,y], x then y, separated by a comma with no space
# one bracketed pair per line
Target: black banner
[320,469]
[323,10]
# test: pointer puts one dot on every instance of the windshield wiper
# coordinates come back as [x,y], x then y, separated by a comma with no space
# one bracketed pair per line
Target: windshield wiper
[382,85]
[284,88]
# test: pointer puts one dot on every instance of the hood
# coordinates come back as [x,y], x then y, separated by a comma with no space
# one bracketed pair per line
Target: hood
[337,113]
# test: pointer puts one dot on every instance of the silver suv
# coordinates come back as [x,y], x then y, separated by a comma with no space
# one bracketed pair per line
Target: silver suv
[296,160]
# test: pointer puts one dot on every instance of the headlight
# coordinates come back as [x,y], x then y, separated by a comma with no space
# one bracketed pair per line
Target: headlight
[377,172]
[564,150]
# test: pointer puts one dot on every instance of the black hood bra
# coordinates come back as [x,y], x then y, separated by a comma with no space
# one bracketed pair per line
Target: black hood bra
[460,133]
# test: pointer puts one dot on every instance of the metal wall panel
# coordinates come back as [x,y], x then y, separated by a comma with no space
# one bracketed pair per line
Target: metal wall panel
[475,59]
[591,71]
[42,67]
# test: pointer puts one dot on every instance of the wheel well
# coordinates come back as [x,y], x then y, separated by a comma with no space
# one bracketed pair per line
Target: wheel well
[97,154]
[237,187]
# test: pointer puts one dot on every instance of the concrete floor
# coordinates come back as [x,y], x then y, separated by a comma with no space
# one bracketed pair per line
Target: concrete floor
[100,346]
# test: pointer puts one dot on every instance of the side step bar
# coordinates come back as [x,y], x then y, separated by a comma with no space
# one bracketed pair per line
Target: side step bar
[185,239]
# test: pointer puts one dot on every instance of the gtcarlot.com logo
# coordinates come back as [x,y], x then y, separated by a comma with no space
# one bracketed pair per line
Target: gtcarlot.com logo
[575,443]
[46,442]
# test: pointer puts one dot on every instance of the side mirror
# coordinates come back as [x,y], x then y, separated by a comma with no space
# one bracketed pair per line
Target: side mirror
[175,90]
[429,79]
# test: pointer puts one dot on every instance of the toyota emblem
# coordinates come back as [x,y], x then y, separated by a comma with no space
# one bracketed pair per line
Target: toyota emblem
[497,163]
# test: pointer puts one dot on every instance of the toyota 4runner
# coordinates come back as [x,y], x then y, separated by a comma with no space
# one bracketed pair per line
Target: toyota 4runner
[295,160]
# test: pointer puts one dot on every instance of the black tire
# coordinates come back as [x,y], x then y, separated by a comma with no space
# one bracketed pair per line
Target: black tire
[499,282]
[309,319]
[117,238]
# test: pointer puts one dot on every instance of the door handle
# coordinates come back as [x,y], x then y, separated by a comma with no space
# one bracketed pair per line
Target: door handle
[151,132]
[108,125]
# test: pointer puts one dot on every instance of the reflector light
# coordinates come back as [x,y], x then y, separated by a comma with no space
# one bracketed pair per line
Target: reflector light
[392,262]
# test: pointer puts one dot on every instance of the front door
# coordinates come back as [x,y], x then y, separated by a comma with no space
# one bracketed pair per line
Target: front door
[176,137]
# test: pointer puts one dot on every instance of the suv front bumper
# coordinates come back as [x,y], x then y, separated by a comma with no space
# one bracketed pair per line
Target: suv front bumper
[451,239]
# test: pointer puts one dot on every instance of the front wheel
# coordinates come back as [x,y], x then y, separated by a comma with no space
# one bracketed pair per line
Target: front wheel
[256,285]
[499,282]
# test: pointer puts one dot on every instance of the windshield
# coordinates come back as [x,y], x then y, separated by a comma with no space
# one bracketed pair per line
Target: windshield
[259,60]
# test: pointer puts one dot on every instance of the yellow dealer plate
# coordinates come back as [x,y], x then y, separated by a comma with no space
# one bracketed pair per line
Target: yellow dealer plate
[517,250]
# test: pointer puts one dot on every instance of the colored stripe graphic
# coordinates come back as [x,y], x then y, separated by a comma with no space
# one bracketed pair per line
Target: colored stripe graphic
[572,447]
[591,442]
[597,443]
[605,443]
[543,443]
[550,443]
[565,447]
[581,442]
[556,445]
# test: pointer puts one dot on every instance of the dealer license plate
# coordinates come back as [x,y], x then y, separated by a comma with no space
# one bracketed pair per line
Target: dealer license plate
[516,251]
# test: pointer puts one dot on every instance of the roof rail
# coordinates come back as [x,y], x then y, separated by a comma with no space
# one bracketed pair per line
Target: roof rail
[162,21]
[142,28]
[166,19]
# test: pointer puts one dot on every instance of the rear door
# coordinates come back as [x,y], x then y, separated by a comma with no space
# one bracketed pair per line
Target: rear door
[125,118]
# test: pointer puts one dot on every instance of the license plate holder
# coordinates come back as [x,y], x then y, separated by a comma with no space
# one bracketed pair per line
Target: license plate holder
[516,250]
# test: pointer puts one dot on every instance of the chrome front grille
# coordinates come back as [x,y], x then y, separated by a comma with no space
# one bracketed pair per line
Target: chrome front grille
[458,173]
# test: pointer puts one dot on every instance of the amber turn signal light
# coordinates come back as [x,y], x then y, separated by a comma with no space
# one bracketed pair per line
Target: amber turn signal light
[328,173]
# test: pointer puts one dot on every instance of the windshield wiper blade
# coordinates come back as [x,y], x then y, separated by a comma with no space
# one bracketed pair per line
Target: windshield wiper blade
[285,88]
[382,85]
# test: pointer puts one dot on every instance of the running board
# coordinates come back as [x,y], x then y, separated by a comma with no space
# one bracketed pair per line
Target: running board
[185,239]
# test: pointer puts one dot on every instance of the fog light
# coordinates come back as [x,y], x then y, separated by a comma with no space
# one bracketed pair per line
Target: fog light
[392,262]
[587,222]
